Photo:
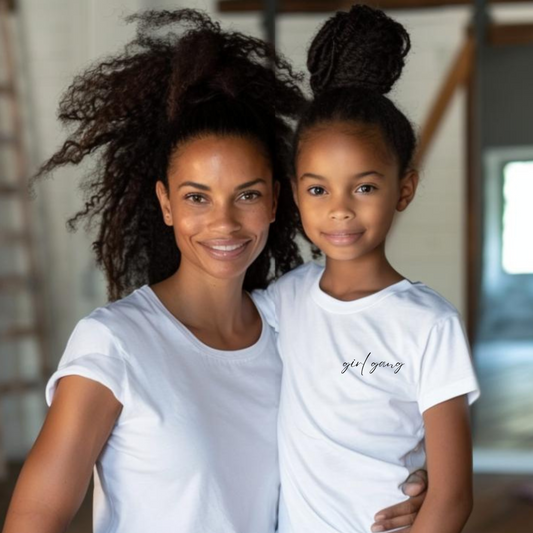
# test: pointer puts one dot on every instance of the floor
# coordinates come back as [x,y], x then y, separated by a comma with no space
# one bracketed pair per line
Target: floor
[503,504]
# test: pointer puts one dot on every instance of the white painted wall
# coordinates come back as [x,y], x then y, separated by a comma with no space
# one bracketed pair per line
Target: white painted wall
[64,36]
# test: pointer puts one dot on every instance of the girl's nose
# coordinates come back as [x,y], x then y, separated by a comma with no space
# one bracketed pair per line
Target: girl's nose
[342,211]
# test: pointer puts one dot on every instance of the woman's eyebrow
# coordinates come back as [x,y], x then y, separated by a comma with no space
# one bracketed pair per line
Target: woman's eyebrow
[250,184]
[203,187]
[195,185]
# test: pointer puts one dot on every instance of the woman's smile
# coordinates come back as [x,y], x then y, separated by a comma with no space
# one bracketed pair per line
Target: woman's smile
[226,249]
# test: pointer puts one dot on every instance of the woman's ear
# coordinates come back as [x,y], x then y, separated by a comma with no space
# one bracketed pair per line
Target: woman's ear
[275,199]
[408,186]
[164,202]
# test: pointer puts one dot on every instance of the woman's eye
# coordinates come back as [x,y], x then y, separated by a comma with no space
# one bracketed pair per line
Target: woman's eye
[250,195]
[366,189]
[195,198]
[317,191]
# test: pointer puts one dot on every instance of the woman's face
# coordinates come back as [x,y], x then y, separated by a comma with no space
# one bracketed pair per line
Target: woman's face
[220,202]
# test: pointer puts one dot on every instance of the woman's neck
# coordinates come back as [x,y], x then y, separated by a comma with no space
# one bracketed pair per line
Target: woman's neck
[357,278]
[217,311]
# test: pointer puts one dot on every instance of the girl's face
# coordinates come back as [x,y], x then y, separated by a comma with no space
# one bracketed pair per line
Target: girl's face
[220,202]
[347,189]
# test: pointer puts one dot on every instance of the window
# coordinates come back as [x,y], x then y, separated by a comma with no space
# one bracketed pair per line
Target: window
[517,223]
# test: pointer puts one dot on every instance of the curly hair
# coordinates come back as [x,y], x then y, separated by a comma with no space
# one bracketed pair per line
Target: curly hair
[134,109]
[354,60]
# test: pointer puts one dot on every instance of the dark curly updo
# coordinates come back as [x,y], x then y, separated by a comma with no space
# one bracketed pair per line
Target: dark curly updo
[354,60]
[134,109]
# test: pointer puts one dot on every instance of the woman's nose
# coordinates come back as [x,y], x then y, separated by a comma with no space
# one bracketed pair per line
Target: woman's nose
[225,219]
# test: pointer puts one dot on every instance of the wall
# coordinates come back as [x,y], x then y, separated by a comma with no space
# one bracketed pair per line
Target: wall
[63,36]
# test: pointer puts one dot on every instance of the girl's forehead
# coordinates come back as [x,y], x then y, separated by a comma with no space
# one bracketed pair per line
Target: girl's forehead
[338,141]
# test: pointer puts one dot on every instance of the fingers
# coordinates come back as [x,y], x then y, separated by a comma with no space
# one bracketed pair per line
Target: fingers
[403,510]
[416,483]
[394,523]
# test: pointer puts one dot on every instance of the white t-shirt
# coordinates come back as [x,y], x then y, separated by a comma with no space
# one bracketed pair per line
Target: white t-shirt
[357,377]
[194,449]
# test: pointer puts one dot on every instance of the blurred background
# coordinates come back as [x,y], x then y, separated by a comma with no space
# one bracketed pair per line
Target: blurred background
[468,87]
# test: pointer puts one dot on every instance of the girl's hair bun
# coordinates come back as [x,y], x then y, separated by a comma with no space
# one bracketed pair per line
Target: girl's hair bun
[361,48]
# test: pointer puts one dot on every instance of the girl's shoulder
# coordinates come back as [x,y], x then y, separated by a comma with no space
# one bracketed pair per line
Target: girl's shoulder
[300,277]
[427,303]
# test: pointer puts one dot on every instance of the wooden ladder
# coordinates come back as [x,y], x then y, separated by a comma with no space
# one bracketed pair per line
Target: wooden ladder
[14,190]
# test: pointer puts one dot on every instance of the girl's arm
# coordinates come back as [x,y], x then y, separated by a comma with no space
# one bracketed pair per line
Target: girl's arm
[57,472]
[449,460]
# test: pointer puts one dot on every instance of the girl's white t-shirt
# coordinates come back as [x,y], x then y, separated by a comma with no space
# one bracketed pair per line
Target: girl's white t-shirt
[194,449]
[357,377]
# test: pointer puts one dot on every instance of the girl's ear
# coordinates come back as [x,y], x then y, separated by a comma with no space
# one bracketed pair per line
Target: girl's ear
[294,187]
[408,185]
[275,199]
[164,202]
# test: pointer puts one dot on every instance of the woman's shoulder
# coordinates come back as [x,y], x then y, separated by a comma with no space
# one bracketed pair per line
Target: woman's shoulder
[114,324]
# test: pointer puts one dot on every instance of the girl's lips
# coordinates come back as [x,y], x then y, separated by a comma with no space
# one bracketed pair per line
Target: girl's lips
[343,238]
[225,249]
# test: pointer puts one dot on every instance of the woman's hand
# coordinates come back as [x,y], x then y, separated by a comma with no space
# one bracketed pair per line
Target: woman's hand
[404,514]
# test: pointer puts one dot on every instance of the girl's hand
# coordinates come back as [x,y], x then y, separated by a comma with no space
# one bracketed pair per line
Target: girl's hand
[404,514]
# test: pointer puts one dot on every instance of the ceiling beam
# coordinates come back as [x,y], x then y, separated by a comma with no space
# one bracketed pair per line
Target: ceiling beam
[510,34]
[327,6]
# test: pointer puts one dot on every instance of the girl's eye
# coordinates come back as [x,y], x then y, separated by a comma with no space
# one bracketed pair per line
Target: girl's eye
[250,195]
[366,189]
[317,191]
[196,198]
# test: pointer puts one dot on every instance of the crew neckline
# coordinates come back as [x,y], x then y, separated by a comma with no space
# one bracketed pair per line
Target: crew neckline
[334,305]
[249,352]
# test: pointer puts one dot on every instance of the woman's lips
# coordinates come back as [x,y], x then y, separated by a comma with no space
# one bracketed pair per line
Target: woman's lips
[225,249]
[343,238]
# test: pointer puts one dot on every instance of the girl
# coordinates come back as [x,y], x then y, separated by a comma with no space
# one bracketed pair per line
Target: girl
[375,366]
[172,391]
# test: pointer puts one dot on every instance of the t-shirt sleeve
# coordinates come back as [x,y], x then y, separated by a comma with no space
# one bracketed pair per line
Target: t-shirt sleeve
[266,302]
[92,352]
[446,370]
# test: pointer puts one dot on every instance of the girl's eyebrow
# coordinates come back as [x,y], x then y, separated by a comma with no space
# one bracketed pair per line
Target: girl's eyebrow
[355,176]
[203,187]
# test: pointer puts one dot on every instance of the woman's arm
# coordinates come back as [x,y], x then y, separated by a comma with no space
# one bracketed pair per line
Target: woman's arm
[449,460]
[58,469]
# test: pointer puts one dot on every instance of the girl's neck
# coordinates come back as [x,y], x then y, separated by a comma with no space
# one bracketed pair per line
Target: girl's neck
[353,279]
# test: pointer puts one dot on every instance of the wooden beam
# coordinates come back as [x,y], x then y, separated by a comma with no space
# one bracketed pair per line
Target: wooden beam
[457,76]
[510,34]
[11,4]
[328,6]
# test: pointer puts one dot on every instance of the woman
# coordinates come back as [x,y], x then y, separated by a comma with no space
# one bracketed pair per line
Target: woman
[172,391]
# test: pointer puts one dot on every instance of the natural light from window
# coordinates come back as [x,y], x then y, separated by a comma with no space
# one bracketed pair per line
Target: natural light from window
[517,249]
